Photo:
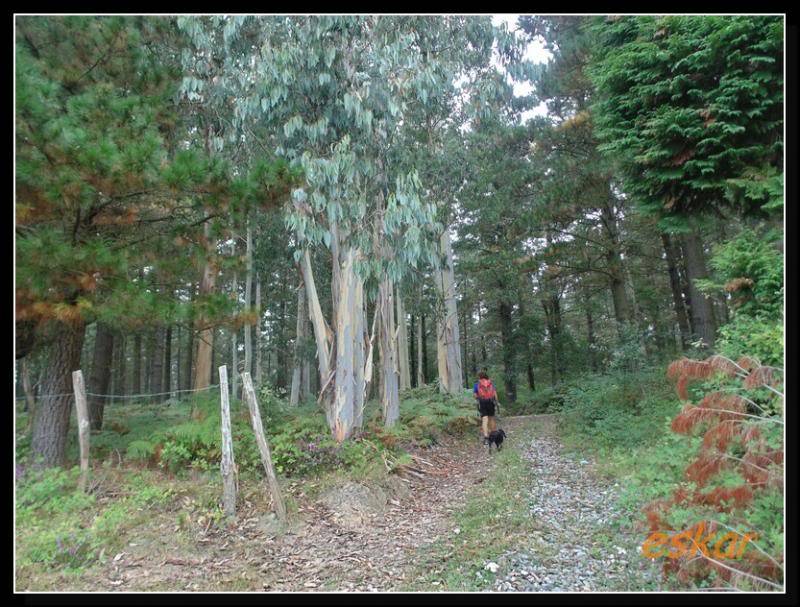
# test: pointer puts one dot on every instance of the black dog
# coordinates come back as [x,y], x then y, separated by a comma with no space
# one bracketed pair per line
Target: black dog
[496,437]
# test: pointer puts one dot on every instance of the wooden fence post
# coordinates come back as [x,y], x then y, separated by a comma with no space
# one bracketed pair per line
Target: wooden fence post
[263,446]
[227,463]
[83,424]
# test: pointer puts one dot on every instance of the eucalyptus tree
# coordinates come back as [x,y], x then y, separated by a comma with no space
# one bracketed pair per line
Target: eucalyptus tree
[333,92]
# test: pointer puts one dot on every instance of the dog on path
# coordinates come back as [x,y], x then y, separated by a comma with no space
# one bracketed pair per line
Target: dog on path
[496,437]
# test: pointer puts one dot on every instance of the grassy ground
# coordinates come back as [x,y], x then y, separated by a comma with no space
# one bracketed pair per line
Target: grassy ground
[155,472]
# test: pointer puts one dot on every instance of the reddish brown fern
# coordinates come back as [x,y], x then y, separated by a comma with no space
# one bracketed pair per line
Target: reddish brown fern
[725,420]
[763,376]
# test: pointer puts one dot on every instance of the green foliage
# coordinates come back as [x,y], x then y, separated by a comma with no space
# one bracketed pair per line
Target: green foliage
[622,409]
[745,336]
[750,268]
[61,527]
[628,353]
[692,109]
[140,450]
[51,491]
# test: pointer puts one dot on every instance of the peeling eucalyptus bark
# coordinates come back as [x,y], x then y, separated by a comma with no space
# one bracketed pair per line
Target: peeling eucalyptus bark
[234,343]
[294,396]
[390,399]
[348,341]
[402,344]
[447,339]
[248,296]
[322,332]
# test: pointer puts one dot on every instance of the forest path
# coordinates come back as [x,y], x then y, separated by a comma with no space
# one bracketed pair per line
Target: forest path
[323,548]
[582,541]
[570,546]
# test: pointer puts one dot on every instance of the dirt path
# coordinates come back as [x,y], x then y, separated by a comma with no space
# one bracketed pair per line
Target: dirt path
[325,547]
[322,549]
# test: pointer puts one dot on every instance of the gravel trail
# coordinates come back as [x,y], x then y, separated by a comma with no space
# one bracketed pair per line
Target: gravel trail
[583,542]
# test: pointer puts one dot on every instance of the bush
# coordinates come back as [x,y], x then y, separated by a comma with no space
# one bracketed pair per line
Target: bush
[619,410]
[735,479]
[758,337]
[140,450]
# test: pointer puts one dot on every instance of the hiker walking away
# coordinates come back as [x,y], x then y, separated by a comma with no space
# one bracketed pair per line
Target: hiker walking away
[486,396]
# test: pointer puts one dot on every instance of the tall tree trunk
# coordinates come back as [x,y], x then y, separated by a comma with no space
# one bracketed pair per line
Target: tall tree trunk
[420,338]
[362,357]
[349,339]
[464,341]
[390,398]
[25,377]
[157,371]
[167,383]
[281,353]
[528,343]
[215,355]
[704,321]
[622,306]
[101,374]
[687,292]
[248,296]
[448,343]
[187,368]
[30,399]
[531,379]
[675,285]
[413,353]
[234,344]
[149,344]
[552,310]
[424,339]
[136,387]
[297,371]
[402,343]
[205,334]
[51,421]
[119,367]
[484,356]
[178,360]
[322,332]
[258,373]
[505,311]
[590,337]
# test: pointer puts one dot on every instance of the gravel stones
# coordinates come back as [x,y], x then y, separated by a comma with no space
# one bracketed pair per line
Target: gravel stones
[577,547]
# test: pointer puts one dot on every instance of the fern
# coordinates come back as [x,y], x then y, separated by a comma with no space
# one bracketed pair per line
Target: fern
[739,463]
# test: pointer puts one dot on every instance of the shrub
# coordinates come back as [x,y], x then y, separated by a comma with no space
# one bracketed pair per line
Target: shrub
[735,479]
[618,410]
[140,450]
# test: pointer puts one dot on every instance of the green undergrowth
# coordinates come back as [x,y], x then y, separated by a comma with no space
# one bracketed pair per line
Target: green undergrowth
[60,527]
[622,421]
[149,450]
[494,519]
